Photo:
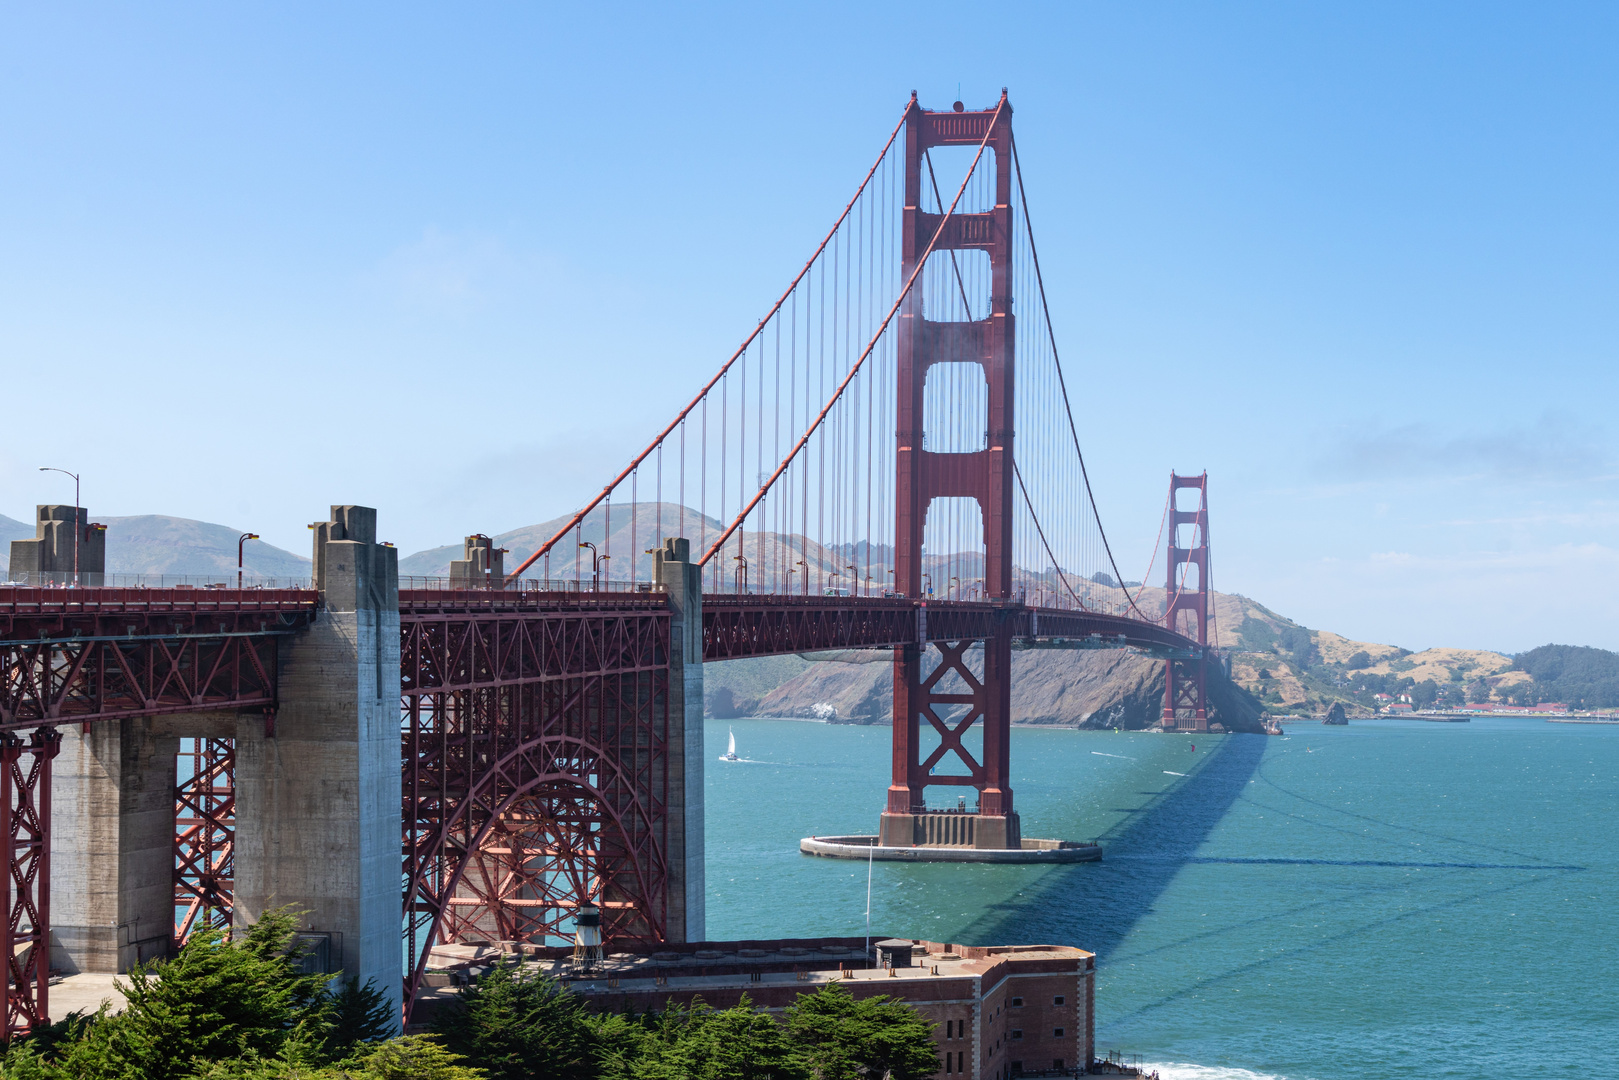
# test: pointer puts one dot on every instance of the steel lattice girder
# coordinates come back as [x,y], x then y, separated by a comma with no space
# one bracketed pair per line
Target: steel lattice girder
[740,626]
[535,774]
[121,612]
[75,680]
[25,827]
[468,651]
[204,836]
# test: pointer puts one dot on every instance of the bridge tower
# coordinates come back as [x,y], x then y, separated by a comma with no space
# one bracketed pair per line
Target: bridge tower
[1186,588]
[984,475]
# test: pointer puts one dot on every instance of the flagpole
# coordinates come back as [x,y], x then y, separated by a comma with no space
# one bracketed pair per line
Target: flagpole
[871,853]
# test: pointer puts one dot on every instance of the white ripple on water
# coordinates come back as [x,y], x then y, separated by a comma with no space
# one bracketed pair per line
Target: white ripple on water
[1177,1070]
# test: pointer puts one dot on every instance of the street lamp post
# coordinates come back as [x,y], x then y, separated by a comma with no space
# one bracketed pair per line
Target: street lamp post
[47,468]
[741,573]
[595,564]
[241,542]
[805,565]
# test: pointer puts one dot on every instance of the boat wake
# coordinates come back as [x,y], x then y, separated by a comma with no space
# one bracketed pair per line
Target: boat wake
[1126,757]
[1168,773]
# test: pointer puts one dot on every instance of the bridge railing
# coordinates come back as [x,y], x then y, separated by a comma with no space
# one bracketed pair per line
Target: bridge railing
[525,585]
[66,579]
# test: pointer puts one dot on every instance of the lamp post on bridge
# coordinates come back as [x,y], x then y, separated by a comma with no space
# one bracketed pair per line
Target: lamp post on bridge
[595,565]
[805,565]
[855,573]
[741,573]
[241,542]
[47,468]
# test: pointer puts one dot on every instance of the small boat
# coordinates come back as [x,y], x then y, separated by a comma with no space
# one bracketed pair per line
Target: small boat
[730,753]
[1272,726]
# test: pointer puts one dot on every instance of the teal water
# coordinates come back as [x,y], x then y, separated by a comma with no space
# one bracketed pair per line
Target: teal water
[1391,899]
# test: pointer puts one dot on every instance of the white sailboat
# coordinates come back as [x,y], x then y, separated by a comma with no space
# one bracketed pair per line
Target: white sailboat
[730,753]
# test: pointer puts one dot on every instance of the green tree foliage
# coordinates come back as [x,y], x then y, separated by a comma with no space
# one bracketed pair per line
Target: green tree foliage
[840,1038]
[518,1025]
[242,1000]
[357,1015]
[1579,676]
[1424,694]
[1361,659]
[1478,691]
[700,1043]
[409,1057]
[1297,643]
[1255,636]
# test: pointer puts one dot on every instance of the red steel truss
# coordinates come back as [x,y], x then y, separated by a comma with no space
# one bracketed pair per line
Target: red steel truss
[535,769]
[204,835]
[105,654]
[25,826]
[1187,608]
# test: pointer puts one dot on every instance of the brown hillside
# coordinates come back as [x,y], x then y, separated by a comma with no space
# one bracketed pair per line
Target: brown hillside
[1076,688]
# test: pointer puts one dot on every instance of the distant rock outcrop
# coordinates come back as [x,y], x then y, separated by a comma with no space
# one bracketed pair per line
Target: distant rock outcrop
[1335,715]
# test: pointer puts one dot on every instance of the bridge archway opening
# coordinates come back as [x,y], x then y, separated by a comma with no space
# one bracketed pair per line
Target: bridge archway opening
[956,287]
[949,165]
[1186,623]
[953,551]
[955,408]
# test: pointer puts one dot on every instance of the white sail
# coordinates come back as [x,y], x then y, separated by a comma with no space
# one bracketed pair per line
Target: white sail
[731,750]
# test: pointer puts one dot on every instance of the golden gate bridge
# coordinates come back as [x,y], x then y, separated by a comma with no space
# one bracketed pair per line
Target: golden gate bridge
[890,460]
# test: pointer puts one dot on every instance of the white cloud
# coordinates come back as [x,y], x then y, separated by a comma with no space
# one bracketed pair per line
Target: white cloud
[1554,448]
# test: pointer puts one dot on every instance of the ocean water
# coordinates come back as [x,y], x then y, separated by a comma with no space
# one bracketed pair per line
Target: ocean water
[1390,899]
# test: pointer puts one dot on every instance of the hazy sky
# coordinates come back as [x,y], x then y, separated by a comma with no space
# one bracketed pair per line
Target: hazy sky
[458,261]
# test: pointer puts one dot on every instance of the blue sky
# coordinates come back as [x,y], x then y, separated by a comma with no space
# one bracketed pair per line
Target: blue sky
[1357,260]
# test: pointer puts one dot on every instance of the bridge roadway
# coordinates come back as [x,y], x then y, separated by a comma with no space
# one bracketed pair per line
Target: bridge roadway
[82,655]
[465,638]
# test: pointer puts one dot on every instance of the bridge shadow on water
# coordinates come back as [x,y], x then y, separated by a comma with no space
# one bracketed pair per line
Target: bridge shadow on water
[1095,905]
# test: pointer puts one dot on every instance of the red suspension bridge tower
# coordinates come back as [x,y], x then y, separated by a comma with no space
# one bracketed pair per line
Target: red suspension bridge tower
[1186,606]
[985,476]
